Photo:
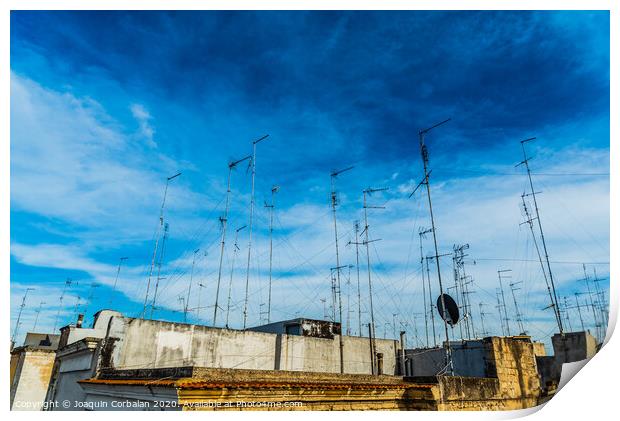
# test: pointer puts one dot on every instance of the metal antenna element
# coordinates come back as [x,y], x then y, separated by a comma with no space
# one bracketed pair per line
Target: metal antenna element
[462,283]
[19,315]
[542,235]
[367,192]
[530,221]
[501,276]
[498,294]
[232,269]
[157,235]
[426,181]
[36,319]
[271,207]
[577,294]
[567,314]
[224,220]
[593,308]
[247,272]
[198,308]
[161,258]
[62,297]
[422,234]
[118,271]
[334,202]
[357,266]
[519,316]
[482,315]
[189,289]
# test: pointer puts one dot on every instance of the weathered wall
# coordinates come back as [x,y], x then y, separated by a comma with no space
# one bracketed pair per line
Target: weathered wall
[73,363]
[513,362]
[31,379]
[139,343]
[573,346]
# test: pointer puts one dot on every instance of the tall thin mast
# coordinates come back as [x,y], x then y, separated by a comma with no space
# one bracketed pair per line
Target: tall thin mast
[19,315]
[334,202]
[530,221]
[424,153]
[159,229]
[357,265]
[247,272]
[422,232]
[542,235]
[60,306]
[513,288]
[367,242]
[232,269]
[271,207]
[189,289]
[36,319]
[159,278]
[501,276]
[224,221]
[118,271]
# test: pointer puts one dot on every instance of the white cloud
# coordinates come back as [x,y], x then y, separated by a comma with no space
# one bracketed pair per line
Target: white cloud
[144,119]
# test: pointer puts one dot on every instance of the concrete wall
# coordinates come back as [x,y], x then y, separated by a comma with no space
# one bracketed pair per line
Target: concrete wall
[75,362]
[137,343]
[573,346]
[31,378]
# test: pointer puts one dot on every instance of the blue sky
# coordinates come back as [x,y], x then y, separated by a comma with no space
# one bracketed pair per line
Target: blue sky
[106,105]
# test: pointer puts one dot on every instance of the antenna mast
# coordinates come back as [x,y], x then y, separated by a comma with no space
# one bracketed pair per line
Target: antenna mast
[232,269]
[271,207]
[189,290]
[159,228]
[247,273]
[424,153]
[367,242]
[501,276]
[357,265]
[542,235]
[19,315]
[118,271]
[530,223]
[422,232]
[334,201]
[224,221]
[62,297]
[513,288]
[36,319]
[161,258]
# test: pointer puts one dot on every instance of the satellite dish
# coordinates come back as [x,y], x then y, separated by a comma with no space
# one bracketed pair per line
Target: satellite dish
[451,312]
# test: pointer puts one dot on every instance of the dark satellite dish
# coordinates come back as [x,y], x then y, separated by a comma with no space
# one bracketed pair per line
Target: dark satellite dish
[451,313]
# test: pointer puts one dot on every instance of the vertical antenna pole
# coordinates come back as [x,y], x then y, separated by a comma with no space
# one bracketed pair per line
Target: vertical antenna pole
[334,202]
[224,221]
[517,311]
[421,234]
[424,153]
[232,269]
[118,271]
[503,304]
[60,307]
[161,258]
[542,235]
[36,319]
[247,273]
[19,315]
[189,289]
[357,265]
[159,229]
[271,207]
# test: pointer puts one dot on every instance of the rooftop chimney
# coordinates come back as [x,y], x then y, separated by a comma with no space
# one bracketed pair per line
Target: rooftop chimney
[79,320]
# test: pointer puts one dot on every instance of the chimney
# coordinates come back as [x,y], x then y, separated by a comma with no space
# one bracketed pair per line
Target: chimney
[79,320]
